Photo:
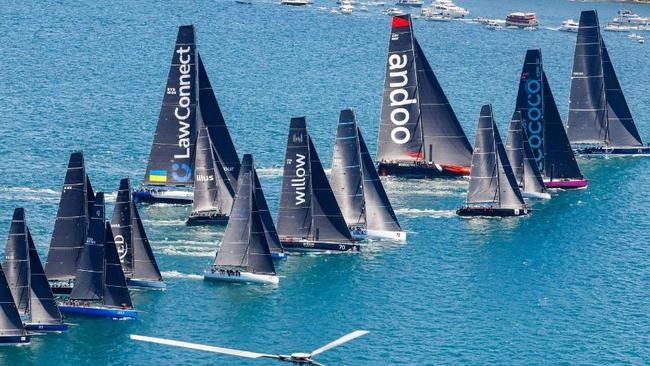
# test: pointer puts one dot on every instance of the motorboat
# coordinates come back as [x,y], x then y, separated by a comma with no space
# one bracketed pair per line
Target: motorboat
[448,8]
[438,17]
[393,11]
[410,3]
[294,2]
[522,20]
[617,27]
[493,25]
[346,7]
[569,25]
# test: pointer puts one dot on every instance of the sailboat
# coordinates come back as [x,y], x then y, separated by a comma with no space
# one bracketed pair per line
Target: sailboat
[600,121]
[357,187]
[522,161]
[546,135]
[137,258]
[70,226]
[26,278]
[493,189]
[100,288]
[213,195]
[244,255]
[419,133]
[170,170]
[12,330]
[309,218]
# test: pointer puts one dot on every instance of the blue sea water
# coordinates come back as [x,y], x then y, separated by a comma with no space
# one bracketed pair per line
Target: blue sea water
[568,285]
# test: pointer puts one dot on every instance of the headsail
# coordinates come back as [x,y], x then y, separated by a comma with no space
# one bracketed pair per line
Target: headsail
[587,122]
[400,132]
[492,180]
[295,214]
[71,222]
[115,292]
[42,307]
[10,322]
[121,226]
[212,192]
[89,282]
[270,232]
[144,262]
[379,212]
[223,145]
[621,130]
[346,178]
[171,161]
[16,263]
[521,158]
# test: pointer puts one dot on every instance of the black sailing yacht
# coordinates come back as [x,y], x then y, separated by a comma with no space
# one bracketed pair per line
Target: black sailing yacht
[309,218]
[419,133]
[357,187]
[12,330]
[137,258]
[543,127]
[245,253]
[100,288]
[70,227]
[26,278]
[600,120]
[493,188]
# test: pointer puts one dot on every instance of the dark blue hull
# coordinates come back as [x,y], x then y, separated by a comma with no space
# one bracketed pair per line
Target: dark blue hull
[14,340]
[207,219]
[317,246]
[491,212]
[35,327]
[420,171]
[99,312]
[278,255]
[614,151]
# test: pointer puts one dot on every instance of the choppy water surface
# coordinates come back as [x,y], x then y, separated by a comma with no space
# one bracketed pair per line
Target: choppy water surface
[570,284]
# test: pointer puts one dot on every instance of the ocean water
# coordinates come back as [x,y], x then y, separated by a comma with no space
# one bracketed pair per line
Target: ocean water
[568,285]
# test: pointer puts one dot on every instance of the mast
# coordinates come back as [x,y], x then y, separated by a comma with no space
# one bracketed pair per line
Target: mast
[379,211]
[327,220]
[115,292]
[212,192]
[171,161]
[71,222]
[346,179]
[16,263]
[42,307]
[10,322]
[400,131]
[121,226]
[587,123]
[88,284]
[224,148]
[295,214]
[621,128]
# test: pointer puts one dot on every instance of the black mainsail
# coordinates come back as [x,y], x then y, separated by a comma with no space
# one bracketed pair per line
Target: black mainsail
[270,232]
[10,322]
[171,161]
[16,261]
[71,223]
[346,179]
[129,237]
[521,158]
[89,280]
[492,181]
[114,290]
[378,210]
[42,307]
[244,243]
[308,209]
[417,122]
[224,148]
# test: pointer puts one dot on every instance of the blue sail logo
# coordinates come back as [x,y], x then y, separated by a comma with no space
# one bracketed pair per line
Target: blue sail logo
[181,172]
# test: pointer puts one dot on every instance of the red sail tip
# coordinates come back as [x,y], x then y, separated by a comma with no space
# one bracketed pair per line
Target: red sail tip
[399,22]
[417,155]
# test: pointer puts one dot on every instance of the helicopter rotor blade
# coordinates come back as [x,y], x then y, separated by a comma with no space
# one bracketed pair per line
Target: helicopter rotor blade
[201,347]
[340,341]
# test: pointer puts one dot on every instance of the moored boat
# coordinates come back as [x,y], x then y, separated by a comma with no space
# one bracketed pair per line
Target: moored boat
[600,121]
[419,133]
[309,218]
[244,255]
[493,189]
[135,253]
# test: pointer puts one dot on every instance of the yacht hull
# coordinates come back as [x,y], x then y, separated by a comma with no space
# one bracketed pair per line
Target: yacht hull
[399,236]
[614,151]
[99,312]
[163,195]
[146,284]
[536,195]
[245,277]
[567,183]
[492,212]
[422,170]
[319,246]
[15,340]
[36,327]
[207,219]
[278,255]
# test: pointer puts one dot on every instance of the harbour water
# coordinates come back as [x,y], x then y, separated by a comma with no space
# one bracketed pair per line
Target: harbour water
[568,285]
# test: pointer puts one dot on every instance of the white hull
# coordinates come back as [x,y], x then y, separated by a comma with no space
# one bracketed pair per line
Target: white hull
[242,277]
[536,195]
[387,235]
